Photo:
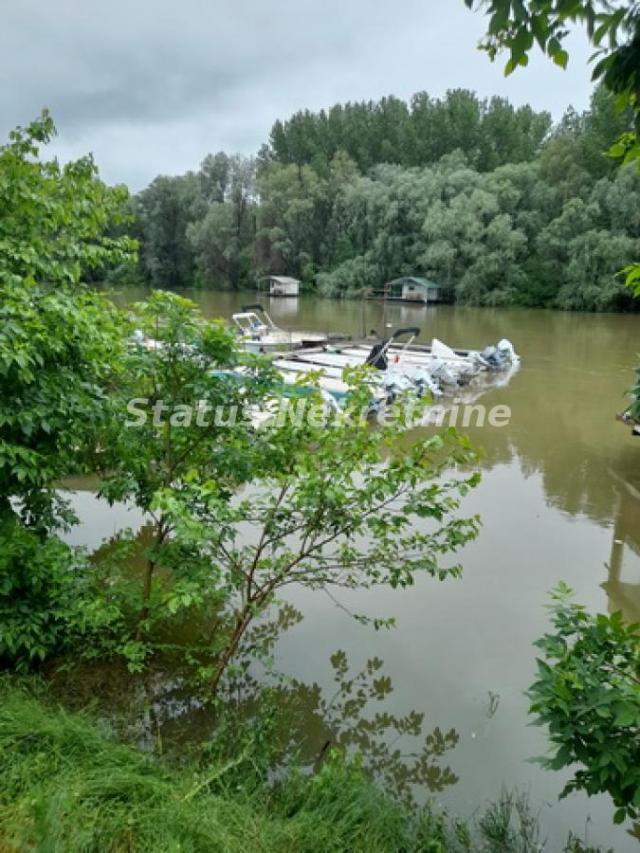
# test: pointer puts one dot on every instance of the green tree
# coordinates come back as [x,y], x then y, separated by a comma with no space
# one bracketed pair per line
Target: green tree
[613,30]
[223,238]
[204,482]
[588,695]
[164,211]
[460,189]
[214,177]
[58,341]
[410,134]
[59,349]
[356,525]
[291,218]
[55,219]
[176,415]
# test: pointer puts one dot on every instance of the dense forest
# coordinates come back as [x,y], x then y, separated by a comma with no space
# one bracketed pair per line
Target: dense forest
[496,204]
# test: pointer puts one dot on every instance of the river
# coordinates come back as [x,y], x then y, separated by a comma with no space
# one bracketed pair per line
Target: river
[559,500]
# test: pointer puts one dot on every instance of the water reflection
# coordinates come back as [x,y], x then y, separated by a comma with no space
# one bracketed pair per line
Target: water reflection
[166,707]
[162,713]
[394,748]
[574,374]
[354,718]
[623,584]
[284,307]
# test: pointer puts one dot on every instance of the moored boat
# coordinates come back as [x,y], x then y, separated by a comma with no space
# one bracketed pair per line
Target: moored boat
[259,334]
[401,366]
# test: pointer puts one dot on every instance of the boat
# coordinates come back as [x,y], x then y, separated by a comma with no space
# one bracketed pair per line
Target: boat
[259,334]
[399,366]
[311,360]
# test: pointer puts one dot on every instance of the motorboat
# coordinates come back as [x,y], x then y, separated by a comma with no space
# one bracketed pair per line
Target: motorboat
[259,334]
[400,366]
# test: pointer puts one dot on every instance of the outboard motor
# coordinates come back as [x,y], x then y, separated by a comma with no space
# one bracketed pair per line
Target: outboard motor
[377,357]
[478,361]
[424,382]
[442,373]
[394,384]
[492,356]
[507,350]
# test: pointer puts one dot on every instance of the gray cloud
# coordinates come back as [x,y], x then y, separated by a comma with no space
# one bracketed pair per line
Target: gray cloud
[151,86]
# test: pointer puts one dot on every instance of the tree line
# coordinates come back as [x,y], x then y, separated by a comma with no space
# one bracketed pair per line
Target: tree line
[494,203]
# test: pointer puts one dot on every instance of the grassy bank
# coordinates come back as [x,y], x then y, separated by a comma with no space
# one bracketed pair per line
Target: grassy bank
[67,785]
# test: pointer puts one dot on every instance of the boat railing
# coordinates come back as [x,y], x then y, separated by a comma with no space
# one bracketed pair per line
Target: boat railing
[411,333]
[261,311]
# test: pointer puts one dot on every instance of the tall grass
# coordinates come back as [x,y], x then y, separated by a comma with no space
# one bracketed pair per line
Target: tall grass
[66,786]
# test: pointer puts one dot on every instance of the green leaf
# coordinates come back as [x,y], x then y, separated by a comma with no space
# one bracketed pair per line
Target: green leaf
[561,58]
[626,715]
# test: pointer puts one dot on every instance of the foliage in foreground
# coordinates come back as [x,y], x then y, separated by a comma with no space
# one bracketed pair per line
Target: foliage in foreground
[588,694]
[331,503]
[42,607]
[59,350]
[67,786]
[612,29]
[58,341]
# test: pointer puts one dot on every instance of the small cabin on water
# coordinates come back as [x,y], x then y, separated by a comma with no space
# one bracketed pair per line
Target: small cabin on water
[282,285]
[411,288]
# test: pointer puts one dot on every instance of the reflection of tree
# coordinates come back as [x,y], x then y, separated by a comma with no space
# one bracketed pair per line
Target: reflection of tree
[610,495]
[309,724]
[624,596]
[353,719]
[378,737]
[160,711]
[574,373]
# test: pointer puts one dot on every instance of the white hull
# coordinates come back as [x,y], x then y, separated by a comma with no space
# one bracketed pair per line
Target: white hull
[282,342]
[396,368]
[436,370]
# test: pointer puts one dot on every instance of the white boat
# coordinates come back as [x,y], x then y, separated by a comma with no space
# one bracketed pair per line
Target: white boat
[399,367]
[259,334]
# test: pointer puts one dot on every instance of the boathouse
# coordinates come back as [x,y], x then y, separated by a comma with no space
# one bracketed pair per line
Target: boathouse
[282,285]
[413,289]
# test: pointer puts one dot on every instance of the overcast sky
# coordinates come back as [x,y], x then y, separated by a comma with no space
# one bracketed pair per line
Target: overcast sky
[151,86]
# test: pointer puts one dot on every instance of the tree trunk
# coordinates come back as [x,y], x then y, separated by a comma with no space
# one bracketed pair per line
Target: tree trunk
[242,622]
[147,581]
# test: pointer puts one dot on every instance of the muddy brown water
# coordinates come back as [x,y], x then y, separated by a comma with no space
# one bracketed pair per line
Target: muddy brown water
[559,500]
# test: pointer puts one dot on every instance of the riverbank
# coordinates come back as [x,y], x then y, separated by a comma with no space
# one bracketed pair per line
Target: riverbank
[70,786]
